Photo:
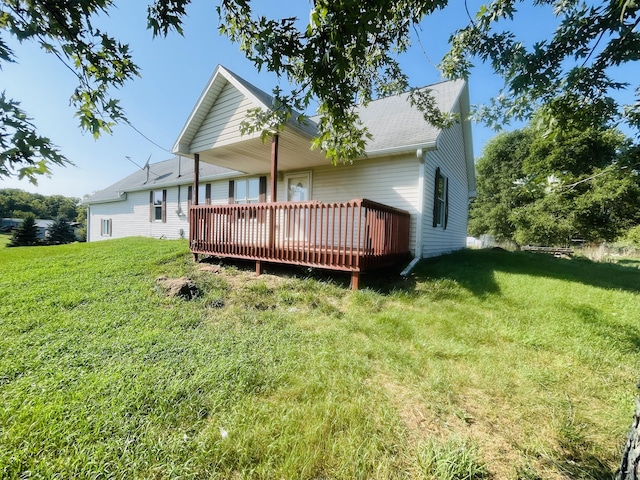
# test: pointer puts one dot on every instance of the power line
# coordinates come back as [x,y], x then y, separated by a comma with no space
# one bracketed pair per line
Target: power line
[424,52]
[145,137]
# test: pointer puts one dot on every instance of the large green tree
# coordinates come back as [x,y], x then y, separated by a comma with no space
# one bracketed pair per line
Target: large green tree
[16,203]
[569,78]
[535,189]
[499,169]
[345,53]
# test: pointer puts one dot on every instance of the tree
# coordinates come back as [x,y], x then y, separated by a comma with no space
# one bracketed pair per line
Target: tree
[498,169]
[60,232]
[532,189]
[630,464]
[99,61]
[81,218]
[15,203]
[345,54]
[26,234]
[570,78]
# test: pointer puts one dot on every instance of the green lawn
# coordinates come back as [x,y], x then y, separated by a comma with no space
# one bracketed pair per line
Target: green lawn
[484,364]
[4,239]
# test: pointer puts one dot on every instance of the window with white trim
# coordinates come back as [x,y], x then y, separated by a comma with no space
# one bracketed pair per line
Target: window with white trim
[441,200]
[247,190]
[158,205]
[105,227]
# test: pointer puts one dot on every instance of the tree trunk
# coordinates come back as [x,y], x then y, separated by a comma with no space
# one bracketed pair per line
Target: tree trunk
[630,465]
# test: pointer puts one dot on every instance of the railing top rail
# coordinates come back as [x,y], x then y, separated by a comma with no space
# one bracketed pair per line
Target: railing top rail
[314,203]
[381,206]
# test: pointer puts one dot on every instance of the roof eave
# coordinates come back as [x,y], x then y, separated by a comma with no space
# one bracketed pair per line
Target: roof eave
[431,145]
[120,198]
[174,183]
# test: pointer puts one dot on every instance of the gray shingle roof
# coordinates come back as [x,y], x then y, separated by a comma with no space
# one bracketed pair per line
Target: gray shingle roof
[393,122]
[175,171]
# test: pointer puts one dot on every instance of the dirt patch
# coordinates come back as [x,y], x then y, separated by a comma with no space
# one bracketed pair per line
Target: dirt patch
[182,287]
[210,268]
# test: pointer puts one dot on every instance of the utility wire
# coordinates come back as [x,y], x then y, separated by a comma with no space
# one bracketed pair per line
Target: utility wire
[424,52]
[145,137]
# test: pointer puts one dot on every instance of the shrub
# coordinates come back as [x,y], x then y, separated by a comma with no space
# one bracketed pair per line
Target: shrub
[60,232]
[26,234]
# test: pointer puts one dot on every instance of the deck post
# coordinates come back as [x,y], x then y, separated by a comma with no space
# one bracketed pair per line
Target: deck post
[274,168]
[194,199]
[258,267]
[274,193]
[355,280]
[196,177]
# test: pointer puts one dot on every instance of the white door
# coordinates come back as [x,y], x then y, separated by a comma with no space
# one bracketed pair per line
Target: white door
[299,187]
[298,190]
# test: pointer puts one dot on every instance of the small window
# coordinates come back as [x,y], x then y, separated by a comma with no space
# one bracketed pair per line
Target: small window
[441,200]
[158,206]
[247,190]
[105,229]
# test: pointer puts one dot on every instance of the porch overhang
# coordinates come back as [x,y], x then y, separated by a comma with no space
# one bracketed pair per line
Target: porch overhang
[251,155]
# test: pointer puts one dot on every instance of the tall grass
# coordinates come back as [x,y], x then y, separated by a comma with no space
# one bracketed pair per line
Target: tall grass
[484,364]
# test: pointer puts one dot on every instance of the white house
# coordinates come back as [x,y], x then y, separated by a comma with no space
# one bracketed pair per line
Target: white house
[419,177]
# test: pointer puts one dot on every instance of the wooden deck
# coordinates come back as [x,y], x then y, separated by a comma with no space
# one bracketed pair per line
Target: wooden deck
[352,236]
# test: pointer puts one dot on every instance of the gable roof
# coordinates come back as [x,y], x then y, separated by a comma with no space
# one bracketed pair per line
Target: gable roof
[175,171]
[219,80]
[395,124]
[212,129]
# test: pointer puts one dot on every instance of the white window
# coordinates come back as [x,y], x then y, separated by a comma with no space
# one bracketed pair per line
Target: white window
[157,205]
[105,228]
[247,190]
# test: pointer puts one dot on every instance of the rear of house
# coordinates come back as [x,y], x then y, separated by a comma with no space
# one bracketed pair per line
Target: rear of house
[412,170]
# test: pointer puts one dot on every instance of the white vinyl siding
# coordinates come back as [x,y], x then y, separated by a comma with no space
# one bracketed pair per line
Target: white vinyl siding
[222,124]
[130,217]
[392,181]
[450,157]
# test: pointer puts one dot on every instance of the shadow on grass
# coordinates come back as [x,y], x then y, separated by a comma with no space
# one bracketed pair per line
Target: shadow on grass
[586,467]
[472,269]
[475,270]
[383,281]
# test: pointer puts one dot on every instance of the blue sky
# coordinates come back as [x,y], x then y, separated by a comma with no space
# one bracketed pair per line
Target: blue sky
[174,72]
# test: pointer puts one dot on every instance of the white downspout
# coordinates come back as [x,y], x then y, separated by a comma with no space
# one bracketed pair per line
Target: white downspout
[88,226]
[421,155]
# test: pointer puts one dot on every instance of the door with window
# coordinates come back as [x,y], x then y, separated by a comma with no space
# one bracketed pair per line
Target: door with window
[298,190]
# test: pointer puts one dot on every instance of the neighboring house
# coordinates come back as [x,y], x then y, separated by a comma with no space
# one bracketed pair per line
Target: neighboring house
[280,201]
[42,225]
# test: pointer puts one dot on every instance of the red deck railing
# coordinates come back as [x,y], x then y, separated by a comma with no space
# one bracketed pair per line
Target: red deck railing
[352,236]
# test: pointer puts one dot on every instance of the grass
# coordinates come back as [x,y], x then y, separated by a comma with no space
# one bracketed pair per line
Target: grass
[482,365]
[4,239]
